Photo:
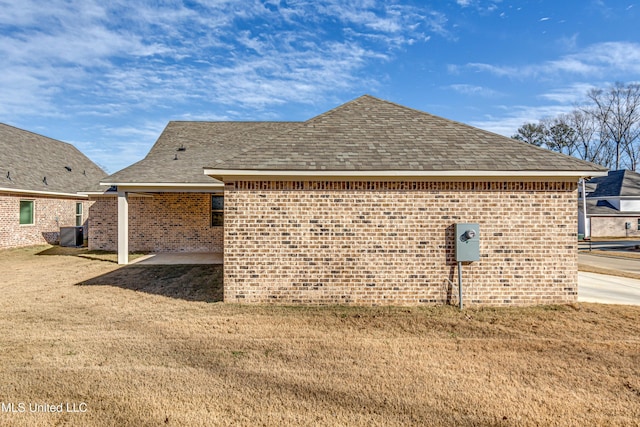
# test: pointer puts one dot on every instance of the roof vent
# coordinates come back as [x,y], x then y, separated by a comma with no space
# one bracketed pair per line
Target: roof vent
[45,180]
[181,148]
[175,157]
[68,168]
[9,175]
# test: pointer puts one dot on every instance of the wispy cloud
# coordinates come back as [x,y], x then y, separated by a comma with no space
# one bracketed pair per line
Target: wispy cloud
[473,90]
[569,95]
[120,60]
[597,60]
[515,116]
[251,52]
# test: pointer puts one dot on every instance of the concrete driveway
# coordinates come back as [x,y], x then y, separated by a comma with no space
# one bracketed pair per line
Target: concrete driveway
[606,289]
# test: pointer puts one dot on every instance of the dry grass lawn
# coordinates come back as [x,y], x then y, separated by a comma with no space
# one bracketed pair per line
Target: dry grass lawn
[150,346]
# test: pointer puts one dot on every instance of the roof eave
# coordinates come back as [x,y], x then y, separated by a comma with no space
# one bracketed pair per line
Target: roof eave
[227,174]
[161,184]
[42,193]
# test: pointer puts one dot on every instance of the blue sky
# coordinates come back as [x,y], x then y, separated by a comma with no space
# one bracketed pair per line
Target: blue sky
[107,76]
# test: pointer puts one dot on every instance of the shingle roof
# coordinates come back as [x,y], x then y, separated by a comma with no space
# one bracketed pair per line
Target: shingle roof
[32,162]
[366,134]
[184,148]
[620,183]
[369,134]
[604,208]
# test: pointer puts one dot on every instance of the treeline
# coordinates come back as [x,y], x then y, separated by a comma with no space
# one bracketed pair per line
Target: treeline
[605,129]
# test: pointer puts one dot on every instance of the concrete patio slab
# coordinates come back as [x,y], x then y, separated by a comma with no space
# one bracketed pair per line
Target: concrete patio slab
[173,258]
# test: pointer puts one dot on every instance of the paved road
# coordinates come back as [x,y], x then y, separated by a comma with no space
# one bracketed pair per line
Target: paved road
[605,289]
[621,264]
[610,244]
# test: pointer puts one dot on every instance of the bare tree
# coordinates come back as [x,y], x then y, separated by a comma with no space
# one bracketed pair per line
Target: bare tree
[605,130]
[589,145]
[617,109]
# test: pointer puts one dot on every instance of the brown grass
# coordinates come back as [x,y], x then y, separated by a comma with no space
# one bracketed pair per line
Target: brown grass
[145,346]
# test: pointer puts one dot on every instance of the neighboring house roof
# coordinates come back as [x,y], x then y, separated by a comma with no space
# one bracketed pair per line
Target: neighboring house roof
[32,163]
[366,134]
[621,183]
[603,208]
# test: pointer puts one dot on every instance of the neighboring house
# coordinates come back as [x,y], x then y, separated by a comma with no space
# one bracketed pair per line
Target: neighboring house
[39,181]
[356,206]
[613,206]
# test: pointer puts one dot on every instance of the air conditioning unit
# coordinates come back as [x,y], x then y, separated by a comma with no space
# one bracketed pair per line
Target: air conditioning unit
[71,236]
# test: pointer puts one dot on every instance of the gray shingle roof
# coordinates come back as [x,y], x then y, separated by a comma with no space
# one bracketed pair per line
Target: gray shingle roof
[195,144]
[620,183]
[366,134]
[603,208]
[369,134]
[27,158]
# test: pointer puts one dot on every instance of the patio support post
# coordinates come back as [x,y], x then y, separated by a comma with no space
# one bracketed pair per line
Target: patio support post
[123,227]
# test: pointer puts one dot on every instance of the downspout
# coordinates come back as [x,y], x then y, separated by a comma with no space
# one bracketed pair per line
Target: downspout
[584,211]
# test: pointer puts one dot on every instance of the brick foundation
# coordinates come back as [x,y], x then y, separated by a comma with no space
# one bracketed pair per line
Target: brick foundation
[161,222]
[392,243]
[50,213]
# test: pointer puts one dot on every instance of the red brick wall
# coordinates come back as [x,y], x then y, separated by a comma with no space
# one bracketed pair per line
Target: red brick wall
[393,243]
[162,222]
[46,229]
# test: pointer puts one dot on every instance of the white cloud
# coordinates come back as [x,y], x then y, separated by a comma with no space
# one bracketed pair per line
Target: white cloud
[597,60]
[515,116]
[101,62]
[473,90]
[570,95]
[121,55]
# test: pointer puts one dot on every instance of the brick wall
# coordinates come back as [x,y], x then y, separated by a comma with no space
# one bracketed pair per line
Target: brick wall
[162,222]
[50,214]
[393,243]
[614,226]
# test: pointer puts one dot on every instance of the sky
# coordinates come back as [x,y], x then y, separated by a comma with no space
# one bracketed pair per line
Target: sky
[107,76]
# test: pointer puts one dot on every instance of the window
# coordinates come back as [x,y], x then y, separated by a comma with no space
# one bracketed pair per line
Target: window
[638,223]
[79,214]
[26,212]
[217,211]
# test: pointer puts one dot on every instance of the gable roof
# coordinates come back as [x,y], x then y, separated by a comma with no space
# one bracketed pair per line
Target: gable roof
[32,163]
[369,134]
[620,183]
[365,135]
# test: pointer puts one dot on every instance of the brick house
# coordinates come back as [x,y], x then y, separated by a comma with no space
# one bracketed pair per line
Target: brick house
[39,182]
[356,206]
[613,205]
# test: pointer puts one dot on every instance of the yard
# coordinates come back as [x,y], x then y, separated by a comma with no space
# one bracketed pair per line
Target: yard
[153,345]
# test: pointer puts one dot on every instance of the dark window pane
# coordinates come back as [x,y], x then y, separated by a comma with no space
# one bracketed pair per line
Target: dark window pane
[217,219]
[26,211]
[217,203]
